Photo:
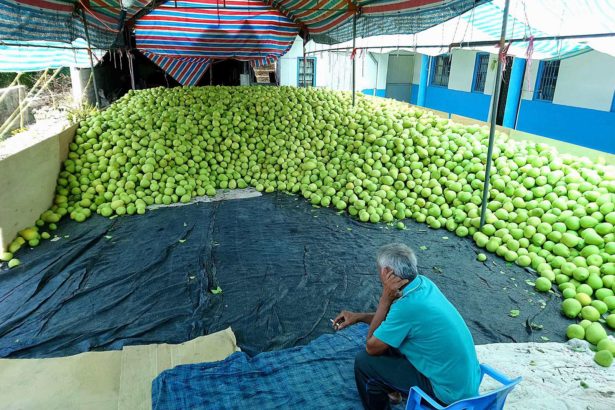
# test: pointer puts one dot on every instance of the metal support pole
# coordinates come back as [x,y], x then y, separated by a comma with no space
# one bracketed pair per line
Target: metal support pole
[354,56]
[87,38]
[494,111]
[304,64]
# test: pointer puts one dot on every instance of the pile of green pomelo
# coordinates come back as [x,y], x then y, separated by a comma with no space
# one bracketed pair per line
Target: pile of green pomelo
[381,161]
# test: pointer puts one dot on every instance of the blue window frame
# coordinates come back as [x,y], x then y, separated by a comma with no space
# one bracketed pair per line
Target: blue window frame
[441,70]
[546,80]
[310,72]
[480,72]
[613,103]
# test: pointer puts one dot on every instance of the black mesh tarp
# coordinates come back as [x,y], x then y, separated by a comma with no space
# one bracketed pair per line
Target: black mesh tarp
[284,267]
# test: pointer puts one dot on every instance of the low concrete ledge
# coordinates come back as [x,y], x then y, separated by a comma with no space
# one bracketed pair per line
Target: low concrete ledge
[29,169]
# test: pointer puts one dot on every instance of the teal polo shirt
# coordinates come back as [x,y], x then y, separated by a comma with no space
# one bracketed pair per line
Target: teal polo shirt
[430,332]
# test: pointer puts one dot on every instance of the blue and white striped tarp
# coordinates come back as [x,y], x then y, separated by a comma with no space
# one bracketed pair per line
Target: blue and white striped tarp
[487,19]
[40,55]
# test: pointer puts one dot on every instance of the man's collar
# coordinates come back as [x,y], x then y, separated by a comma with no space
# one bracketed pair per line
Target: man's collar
[412,286]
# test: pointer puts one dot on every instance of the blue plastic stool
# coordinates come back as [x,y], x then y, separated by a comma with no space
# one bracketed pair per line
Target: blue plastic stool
[494,400]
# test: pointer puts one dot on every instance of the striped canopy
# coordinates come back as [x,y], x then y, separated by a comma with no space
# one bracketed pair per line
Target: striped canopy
[255,30]
[182,37]
[530,20]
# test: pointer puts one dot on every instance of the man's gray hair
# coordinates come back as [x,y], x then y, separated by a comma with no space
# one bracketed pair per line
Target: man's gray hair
[400,259]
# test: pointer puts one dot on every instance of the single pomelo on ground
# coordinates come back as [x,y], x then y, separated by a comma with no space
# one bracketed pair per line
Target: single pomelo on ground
[604,358]
[606,344]
[585,323]
[571,308]
[542,284]
[590,313]
[575,331]
[595,333]
[6,256]
[14,263]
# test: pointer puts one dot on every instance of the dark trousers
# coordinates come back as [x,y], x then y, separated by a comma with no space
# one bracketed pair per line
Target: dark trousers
[376,376]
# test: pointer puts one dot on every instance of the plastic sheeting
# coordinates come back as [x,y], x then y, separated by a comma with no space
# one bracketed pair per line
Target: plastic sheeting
[183,37]
[317,376]
[52,20]
[44,54]
[526,19]
[284,267]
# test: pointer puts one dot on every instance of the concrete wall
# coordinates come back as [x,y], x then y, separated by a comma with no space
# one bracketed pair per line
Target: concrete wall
[583,81]
[334,69]
[583,109]
[462,70]
[288,63]
[10,100]
[28,173]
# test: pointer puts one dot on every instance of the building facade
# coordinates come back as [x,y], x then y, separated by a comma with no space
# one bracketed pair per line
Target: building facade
[571,100]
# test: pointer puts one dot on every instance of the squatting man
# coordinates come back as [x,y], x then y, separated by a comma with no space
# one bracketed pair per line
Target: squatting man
[416,337]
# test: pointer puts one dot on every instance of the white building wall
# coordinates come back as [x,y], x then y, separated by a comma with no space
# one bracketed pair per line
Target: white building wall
[529,80]
[462,70]
[491,71]
[334,70]
[372,71]
[288,63]
[586,81]
[416,76]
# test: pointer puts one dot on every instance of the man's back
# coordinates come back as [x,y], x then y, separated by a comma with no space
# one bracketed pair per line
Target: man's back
[431,333]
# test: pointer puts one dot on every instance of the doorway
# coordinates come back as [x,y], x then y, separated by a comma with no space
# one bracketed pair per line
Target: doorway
[223,72]
[504,91]
[399,77]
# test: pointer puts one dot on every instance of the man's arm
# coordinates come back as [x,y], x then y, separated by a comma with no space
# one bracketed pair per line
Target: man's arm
[375,346]
[390,292]
[346,318]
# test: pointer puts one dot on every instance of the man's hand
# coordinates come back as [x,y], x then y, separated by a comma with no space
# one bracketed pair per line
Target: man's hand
[391,286]
[346,318]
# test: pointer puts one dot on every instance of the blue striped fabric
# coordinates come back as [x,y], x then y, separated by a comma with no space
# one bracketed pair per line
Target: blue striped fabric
[247,30]
[40,56]
[317,376]
[488,18]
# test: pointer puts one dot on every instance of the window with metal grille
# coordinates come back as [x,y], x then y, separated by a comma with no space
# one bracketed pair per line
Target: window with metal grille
[547,79]
[480,72]
[441,70]
[310,72]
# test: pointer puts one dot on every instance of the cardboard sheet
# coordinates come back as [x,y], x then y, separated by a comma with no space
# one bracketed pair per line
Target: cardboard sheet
[102,380]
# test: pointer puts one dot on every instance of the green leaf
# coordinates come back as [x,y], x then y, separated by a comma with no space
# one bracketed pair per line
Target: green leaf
[544,338]
[445,237]
[514,313]
[423,247]
[182,240]
[216,291]
[108,236]
[583,384]
[536,326]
